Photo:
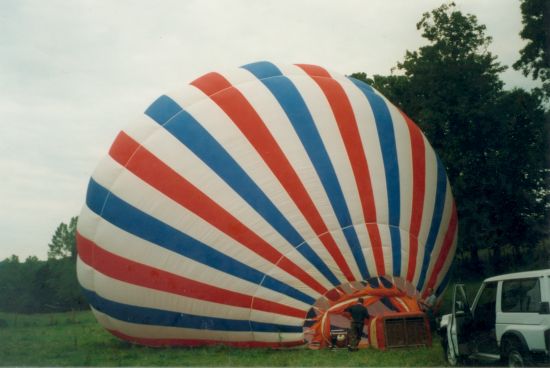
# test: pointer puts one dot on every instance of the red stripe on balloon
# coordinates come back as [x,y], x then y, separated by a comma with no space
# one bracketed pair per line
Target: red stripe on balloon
[447,245]
[314,70]
[156,173]
[147,341]
[347,124]
[135,273]
[211,83]
[246,118]
[418,152]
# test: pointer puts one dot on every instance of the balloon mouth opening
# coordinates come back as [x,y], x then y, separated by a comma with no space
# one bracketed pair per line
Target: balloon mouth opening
[326,321]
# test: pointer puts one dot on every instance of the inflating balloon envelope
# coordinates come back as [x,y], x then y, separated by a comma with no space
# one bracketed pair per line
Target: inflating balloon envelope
[250,204]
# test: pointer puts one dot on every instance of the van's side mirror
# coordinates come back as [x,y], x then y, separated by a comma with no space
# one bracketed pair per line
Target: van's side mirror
[544,308]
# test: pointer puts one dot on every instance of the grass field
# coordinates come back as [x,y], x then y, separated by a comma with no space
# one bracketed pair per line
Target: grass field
[76,339]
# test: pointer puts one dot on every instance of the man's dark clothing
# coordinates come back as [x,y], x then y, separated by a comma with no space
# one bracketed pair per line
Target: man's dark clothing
[358,315]
[358,312]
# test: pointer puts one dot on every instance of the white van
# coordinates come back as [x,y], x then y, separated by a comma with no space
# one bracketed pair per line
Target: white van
[508,322]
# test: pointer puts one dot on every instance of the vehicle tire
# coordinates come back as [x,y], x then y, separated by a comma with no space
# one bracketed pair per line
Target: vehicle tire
[515,354]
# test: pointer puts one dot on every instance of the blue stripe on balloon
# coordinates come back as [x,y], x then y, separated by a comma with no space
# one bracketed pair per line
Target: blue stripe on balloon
[263,69]
[439,205]
[163,109]
[193,135]
[388,303]
[386,135]
[300,117]
[132,220]
[159,317]
[395,237]
[373,282]
[385,282]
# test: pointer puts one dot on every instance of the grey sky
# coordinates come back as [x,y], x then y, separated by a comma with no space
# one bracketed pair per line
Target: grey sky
[74,73]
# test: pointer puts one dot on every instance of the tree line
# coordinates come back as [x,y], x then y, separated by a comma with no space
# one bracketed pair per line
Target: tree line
[36,286]
[493,142]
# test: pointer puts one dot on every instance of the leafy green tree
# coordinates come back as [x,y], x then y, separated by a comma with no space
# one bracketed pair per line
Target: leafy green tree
[10,280]
[17,285]
[59,274]
[393,87]
[63,243]
[491,141]
[535,56]
[43,286]
[63,280]
[451,90]
[518,201]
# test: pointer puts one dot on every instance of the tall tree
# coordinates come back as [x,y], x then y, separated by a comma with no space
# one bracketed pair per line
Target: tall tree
[518,198]
[61,270]
[453,86]
[63,243]
[43,286]
[17,281]
[10,284]
[491,141]
[535,56]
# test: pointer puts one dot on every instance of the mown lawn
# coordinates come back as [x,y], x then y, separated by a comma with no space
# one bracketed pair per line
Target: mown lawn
[76,339]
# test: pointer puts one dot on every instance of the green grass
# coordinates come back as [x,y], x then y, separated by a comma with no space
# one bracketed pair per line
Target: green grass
[76,339]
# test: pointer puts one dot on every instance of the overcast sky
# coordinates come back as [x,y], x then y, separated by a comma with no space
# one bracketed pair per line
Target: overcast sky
[74,73]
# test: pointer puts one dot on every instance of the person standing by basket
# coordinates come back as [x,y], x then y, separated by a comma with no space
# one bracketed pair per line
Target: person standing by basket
[358,313]
[428,306]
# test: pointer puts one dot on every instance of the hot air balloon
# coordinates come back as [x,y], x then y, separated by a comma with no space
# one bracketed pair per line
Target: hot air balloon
[247,206]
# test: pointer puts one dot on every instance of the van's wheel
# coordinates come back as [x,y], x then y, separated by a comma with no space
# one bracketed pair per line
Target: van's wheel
[515,354]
